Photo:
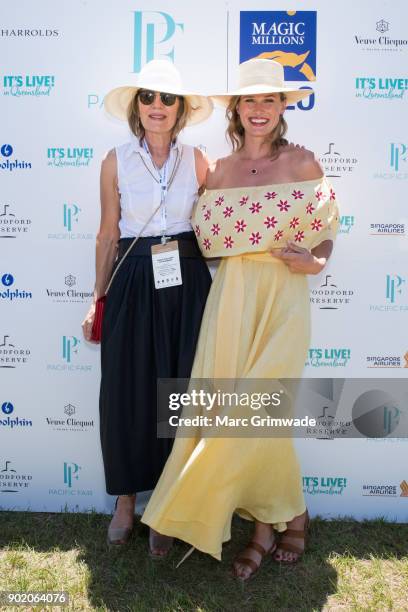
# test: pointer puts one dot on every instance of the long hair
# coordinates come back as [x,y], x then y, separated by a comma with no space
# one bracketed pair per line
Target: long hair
[136,126]
[236,132]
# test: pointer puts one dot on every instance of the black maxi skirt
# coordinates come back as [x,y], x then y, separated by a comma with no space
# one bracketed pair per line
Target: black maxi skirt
[147,333]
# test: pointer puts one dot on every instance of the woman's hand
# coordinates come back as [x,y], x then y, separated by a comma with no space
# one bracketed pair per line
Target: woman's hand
[299,259]
[88,322]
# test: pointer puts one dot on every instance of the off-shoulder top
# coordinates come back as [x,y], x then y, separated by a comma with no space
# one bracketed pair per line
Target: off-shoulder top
[239,220]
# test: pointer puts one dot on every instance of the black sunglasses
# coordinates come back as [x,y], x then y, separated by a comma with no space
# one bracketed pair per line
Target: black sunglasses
[146,96]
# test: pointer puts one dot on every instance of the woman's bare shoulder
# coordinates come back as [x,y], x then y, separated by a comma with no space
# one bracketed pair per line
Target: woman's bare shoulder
[217,170]
[304,163]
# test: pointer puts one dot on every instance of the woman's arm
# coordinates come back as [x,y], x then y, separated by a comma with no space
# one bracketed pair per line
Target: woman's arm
[108,235]
[202,163]
[303,261]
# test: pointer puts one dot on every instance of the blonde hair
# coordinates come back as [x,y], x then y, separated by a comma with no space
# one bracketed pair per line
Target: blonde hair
[136,126]
[236,132]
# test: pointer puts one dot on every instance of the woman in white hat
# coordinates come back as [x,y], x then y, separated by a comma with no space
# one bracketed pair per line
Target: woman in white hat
[151,319]
[272,216]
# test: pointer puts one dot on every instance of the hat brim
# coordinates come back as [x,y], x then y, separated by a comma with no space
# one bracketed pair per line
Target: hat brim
[292,95]
[117,101]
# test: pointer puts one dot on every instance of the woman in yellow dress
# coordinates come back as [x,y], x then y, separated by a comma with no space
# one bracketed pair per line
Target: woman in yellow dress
[271,215]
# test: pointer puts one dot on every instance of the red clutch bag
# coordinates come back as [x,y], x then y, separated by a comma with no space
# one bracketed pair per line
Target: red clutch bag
[96,333]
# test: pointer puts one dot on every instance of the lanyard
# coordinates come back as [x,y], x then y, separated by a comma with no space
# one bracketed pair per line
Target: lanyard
[163,181]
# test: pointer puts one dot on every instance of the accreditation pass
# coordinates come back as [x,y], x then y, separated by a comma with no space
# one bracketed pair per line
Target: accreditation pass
[166,265]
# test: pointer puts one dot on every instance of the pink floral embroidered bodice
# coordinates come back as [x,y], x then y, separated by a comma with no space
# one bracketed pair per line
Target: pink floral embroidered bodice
[240,220]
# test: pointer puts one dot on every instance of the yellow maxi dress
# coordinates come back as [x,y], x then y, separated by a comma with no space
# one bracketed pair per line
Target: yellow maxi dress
[256,325]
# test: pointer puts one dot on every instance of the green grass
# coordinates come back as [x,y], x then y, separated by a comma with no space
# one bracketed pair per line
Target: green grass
[348,566]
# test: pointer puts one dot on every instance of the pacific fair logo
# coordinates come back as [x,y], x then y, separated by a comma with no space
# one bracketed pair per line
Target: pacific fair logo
[69,219]
[71,474]
[394,291]
[153,37]
[397,163]
[69,349]
[34,85]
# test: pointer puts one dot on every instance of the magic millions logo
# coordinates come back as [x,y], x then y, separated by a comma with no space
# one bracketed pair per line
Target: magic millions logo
[70,224]
[70,294]
[380,38]
[337,164]
[12,225]
[70,421]
[12,355]
[12,479]
[331,295]
[332,357]
[287,37]
[324,485]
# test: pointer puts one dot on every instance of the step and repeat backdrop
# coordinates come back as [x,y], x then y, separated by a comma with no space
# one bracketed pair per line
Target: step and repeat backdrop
[58,62]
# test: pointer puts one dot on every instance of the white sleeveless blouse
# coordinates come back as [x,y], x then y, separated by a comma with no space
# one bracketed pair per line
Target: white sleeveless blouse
[140,193]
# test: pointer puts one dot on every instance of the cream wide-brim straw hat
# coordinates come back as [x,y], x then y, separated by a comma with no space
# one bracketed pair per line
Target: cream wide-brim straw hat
[262,76]
[162,76]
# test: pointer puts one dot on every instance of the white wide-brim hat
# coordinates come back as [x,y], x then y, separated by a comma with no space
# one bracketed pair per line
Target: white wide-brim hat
[162,76]
[262,76]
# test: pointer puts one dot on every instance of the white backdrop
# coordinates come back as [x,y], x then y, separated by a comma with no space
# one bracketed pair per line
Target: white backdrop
[58,62]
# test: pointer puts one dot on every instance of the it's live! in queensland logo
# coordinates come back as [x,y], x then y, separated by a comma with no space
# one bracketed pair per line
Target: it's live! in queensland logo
[75,157]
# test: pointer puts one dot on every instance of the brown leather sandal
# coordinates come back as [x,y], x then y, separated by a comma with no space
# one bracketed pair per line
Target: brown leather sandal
[157,541]
[253,566]
[118,536]
[293,533]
